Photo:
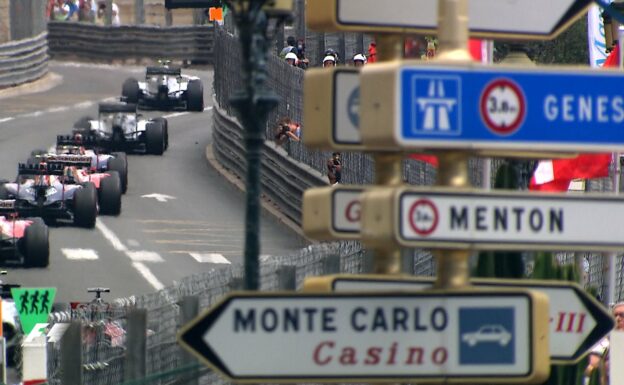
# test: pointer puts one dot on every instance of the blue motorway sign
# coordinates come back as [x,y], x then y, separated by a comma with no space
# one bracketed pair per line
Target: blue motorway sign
[503,108]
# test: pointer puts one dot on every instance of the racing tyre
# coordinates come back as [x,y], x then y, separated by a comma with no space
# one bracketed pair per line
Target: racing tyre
[109,194]
[120,164]
[4,193]
[165,124]
[130,90]
[36,244]
[85,206]
[155,138]
[195,96]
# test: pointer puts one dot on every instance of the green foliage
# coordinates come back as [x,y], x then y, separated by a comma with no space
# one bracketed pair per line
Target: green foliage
[502,264]
[568,48]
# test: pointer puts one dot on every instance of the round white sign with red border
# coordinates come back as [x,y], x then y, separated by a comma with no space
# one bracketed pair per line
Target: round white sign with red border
[502,106]
[423,217]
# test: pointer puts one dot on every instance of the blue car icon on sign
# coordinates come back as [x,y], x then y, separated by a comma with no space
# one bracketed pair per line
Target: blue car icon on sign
[488,333]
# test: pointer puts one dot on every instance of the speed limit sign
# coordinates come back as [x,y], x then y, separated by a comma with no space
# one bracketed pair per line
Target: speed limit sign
[503,106]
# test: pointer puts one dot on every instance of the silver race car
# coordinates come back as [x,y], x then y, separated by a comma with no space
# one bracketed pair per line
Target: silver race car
[44,191]
[119,128]
[165,88]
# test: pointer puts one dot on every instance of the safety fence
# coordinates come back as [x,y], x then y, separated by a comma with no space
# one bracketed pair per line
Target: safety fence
[105,325]
[85,41]
[287,82]
[23,61]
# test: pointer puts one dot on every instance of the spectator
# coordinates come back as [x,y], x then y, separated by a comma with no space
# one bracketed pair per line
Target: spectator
[332,52]
[599,355]
[87,10]
[334,169]
[290,47]
[101,14]
[287,130]
[359,60]
[60,10]
[292,59]
[372,52]
[329,61]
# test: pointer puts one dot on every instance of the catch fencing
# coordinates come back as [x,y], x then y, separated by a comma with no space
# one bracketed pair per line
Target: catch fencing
[104,326]
[23,61]
[287,82]
[86,41]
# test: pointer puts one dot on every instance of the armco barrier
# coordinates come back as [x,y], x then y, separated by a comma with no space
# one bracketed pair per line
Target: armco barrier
[85,41]
[23,61]
[283,179]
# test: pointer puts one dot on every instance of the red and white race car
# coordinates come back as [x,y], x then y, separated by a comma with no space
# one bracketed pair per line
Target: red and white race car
[78,169]
[22,241]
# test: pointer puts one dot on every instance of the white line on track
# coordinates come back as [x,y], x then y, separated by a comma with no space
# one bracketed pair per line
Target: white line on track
[137,257]
[110,236]
[6,119]
[148,275]
[210,258]
[175,114]
[80,254]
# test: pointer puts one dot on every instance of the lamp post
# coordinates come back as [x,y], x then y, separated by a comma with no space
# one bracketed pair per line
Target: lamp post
[254,101]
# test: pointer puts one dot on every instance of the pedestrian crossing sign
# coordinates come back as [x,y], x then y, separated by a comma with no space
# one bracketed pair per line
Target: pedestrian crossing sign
[33,305]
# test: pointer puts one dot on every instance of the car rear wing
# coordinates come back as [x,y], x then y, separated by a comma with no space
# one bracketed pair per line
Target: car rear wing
[68,160]
[40,169]
[170,71]
[108,108]
[70,140]
[7,205]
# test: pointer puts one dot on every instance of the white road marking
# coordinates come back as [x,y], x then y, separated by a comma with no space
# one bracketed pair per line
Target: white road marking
[31,114]
[133,243]
[110,236]
[144,256]
[148,275]
[175,114]
[57,109]
[6,119]
[208,108]
[265,257]
[86,104]
[80,254]
[210,258]
[158,197]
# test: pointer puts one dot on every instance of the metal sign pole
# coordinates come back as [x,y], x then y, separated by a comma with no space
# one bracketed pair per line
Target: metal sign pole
[453,270]
[388,165]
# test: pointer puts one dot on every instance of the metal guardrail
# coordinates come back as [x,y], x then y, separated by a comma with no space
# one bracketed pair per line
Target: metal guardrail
[23,61]
[86,41]
[283,179]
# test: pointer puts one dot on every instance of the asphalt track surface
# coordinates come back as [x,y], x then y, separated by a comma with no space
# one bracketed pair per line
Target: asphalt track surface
[156,240]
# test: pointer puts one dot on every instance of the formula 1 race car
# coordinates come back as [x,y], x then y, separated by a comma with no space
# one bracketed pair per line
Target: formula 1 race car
[165,88]
[22,241]
[77,169]
[100,160]
[120,128]
[42,190]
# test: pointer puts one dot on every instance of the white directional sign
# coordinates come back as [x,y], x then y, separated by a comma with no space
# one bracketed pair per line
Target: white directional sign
[526,19]
[332,108]
[433,337]
[332,212]
[442,217]
[577,321]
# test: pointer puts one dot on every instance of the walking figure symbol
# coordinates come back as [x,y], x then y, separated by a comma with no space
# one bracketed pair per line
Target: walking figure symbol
[38,304]
[436,109]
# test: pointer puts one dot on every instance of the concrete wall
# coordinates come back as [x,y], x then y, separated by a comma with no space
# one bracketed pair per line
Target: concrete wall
[5,21]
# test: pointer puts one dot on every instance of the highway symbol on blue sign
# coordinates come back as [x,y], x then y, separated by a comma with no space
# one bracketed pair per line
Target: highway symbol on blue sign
[387,337]
[493,108]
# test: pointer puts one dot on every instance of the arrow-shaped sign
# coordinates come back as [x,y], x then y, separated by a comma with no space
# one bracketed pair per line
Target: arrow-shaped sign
[158,197]
[526,19]
[432,337]
[577,321]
